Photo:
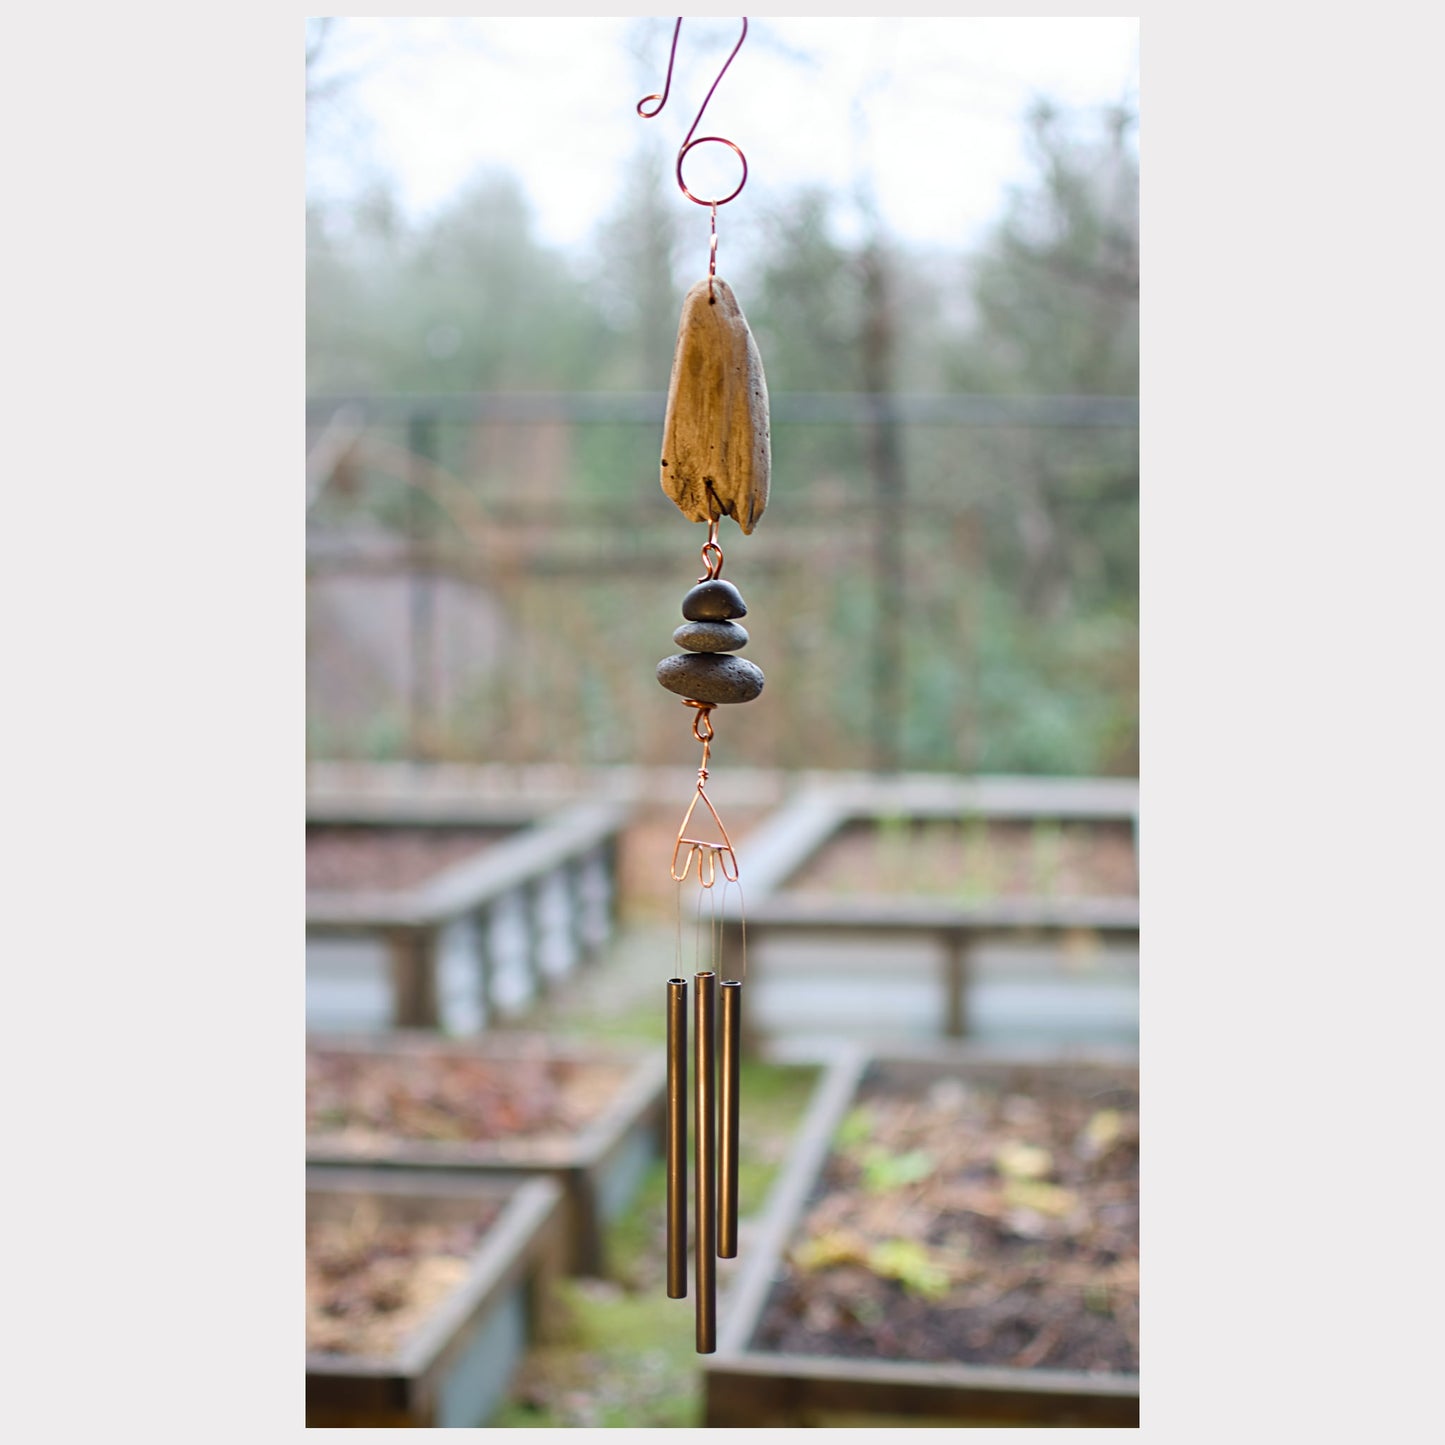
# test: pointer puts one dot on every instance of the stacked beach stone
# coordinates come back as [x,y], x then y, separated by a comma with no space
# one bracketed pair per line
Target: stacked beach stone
[708,671]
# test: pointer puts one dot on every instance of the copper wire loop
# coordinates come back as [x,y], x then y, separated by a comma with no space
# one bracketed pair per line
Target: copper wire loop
[701,721]
[712,555]
[689,143]
[733,194]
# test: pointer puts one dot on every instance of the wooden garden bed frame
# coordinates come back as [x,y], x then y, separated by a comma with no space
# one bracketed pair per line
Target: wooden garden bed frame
[564,845]
[455,1368]
[800,829]
[599,1168]
[748,1387]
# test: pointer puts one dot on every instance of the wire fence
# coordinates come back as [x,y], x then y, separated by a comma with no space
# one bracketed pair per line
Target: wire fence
[939,582]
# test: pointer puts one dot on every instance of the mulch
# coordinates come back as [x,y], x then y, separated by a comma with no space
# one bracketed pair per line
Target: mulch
[972,1224]
[361,1100]
[974,859]
[371,1281]
[342,859]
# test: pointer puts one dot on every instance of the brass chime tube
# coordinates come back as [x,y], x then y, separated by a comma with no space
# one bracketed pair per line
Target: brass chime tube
[727,1230]
[677,1138]
[705,1150]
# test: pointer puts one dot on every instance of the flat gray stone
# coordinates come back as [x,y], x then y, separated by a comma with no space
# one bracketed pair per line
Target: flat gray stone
[714,601]
[711,677]
[711,636]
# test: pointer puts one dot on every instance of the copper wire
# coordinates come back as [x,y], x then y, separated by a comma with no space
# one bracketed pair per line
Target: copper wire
[712,256]
[708,857]
[712,561]
[688,141]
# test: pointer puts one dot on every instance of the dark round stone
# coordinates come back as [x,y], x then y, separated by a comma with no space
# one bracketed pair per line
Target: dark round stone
[710,677]
[714,601]
[711,636]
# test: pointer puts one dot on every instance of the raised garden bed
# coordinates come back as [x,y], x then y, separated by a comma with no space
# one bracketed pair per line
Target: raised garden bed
[954,1242]
[987,905]
[351,857]
[478,908]
[504,1105]
[423,1294]
[974,859]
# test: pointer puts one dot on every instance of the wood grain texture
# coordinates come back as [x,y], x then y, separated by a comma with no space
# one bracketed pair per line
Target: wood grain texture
[716,451]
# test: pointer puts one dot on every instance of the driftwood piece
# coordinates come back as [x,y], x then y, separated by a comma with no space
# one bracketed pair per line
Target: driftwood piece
[716,454]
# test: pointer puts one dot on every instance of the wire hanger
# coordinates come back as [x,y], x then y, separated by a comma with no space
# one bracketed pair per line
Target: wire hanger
[688,141]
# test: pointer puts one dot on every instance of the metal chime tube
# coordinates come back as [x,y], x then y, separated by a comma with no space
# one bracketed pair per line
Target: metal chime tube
[677,1138]
[732,998]
[705,1151]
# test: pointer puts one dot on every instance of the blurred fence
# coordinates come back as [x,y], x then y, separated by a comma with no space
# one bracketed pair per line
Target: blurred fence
[940,582]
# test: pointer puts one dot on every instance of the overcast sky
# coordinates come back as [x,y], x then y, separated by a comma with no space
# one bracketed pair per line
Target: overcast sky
[929,110]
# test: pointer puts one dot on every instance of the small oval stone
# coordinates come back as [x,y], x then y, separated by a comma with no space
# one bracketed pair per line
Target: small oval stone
[714,601]
[711,677]
[711,636]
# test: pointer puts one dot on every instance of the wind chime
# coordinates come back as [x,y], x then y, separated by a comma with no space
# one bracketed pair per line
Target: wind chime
[715,462]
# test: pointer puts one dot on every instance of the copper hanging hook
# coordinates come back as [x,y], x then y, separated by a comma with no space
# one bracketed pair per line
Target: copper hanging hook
[702,723]
[712,556]
[688,142]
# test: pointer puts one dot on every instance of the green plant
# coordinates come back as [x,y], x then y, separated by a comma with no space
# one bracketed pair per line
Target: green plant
[855,1129]
[911,1264]
[883,1171]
